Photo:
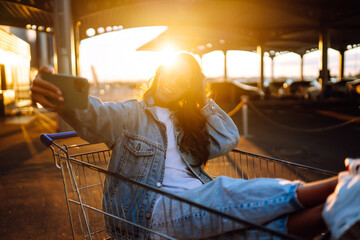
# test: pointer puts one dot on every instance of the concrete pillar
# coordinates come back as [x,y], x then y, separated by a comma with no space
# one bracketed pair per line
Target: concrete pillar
[53,58]
[64,37]
[323,47]
[50,41]
[272,69]
[64,44]
[201,61]
[272,55]
[260,51]
[43,47]
[341,63]
[225,66]
[302,67]
[232,89]
[77,47]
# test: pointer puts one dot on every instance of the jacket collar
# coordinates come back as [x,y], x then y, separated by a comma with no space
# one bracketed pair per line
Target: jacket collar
[149,105]
[149,101]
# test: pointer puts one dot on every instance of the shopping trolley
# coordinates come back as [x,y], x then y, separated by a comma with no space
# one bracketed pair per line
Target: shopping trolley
[86,182]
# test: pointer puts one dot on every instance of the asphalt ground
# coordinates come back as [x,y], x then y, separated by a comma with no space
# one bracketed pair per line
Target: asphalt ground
[31,190]
[32,195]
[317,134]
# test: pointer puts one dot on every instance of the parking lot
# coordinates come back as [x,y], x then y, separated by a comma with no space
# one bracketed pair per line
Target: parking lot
[318,134]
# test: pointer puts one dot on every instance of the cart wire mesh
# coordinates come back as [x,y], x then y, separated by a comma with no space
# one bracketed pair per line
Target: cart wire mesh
[87,183]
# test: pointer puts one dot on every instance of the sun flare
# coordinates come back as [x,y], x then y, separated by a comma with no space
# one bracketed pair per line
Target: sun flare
[167,55]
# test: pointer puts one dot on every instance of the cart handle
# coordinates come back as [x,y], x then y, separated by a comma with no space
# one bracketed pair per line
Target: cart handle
[47,139]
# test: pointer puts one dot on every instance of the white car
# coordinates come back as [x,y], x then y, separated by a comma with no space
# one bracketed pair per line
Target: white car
[313,92]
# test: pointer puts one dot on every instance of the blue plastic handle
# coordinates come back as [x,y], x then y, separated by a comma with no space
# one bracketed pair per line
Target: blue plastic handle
[47,139]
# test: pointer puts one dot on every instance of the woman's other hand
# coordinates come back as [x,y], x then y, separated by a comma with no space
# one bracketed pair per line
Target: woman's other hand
[42,91]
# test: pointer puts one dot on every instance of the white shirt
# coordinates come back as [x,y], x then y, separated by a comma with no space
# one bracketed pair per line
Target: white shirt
[177,176]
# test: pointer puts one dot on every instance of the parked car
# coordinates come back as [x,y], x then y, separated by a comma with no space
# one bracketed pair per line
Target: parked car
[313,92]
[340,88]
[273,88]
[296,89]
[354,88]
[232,90]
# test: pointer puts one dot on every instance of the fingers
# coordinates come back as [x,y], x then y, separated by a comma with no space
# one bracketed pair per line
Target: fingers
[45,85]
[41,84]
[42,96]
[43,101]
[46,69]
[50,92]
[42,91]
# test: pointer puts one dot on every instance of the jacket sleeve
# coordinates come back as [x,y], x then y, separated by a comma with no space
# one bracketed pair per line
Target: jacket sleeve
[224,135]
[100,122]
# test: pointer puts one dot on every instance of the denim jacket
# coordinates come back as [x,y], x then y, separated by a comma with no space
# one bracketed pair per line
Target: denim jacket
[138,142]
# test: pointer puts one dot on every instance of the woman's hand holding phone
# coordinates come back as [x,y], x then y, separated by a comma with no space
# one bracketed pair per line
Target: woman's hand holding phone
[42,90]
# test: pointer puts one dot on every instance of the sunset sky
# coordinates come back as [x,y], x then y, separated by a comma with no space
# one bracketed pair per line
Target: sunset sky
[114,57]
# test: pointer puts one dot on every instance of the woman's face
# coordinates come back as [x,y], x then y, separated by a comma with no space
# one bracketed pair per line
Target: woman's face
[173,82]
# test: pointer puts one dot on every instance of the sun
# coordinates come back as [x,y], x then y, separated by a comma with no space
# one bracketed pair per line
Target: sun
[167,55]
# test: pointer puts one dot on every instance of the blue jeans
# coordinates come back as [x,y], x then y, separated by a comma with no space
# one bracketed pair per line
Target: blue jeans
[261,201]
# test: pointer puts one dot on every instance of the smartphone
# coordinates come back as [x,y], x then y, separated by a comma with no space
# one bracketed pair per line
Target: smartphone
[75,90]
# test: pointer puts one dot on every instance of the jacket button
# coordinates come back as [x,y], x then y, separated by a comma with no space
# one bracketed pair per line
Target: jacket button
[158,184]
[147,215]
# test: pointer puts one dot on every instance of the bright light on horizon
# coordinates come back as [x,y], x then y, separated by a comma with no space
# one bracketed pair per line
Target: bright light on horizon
[114,55]
[287,65]
[115,58]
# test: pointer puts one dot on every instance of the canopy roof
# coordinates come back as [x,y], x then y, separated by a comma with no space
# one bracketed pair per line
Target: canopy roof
[22,13]
[205,25]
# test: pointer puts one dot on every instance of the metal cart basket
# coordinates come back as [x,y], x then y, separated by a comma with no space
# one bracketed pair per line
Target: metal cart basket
[86,182]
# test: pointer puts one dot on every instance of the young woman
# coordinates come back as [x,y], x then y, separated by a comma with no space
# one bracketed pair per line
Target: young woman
[165,140]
